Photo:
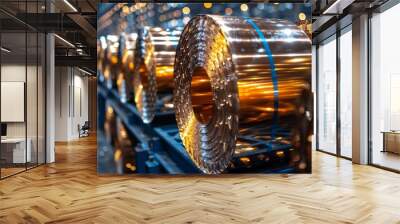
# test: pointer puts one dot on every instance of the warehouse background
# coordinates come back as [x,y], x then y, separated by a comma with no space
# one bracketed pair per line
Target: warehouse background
[125,143]
[116,18]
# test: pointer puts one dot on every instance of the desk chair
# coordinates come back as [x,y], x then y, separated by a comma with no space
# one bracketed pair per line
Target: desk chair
[84,130]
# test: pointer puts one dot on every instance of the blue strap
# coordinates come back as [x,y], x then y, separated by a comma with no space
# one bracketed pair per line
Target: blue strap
[274,75]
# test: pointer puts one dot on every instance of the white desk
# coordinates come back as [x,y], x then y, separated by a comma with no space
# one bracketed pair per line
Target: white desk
[19,155]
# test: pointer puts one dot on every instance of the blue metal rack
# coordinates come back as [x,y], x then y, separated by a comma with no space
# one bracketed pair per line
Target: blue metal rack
[159,148]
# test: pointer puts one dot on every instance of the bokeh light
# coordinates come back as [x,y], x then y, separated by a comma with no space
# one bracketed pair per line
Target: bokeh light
[163,14]
[244,7]
[125,9]
[302,16]
[186,10]
[207,5]
[228,11]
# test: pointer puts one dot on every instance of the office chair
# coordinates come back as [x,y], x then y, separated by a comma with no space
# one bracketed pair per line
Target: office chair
[84,130]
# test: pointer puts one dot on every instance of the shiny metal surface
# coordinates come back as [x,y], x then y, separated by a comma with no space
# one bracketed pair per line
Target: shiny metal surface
[126,57]
[111,61]
[124,155]
[232,73]
[154,66]
[101,50]
[110,126]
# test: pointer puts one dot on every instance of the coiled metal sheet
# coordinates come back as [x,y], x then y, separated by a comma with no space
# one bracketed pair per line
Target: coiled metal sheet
[110,126]
[127,45]
[124,155]
[101,48]
[111,61]
[154,66]
[233,73]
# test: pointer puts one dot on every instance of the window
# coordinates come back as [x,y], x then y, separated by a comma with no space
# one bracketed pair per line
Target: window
[385,89]
[326,94]
[346,92]
[22,76]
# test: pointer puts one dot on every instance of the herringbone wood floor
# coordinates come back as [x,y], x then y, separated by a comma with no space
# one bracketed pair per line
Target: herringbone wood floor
[70,191]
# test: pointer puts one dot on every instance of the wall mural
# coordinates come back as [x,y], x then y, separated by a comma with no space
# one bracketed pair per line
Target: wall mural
[204,88]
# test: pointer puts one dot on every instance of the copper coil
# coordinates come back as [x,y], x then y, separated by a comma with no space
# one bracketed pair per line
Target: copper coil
[101,49]
[110,126]
[154,67]
[124,154]
[126,58]
[111,61]
[232,73]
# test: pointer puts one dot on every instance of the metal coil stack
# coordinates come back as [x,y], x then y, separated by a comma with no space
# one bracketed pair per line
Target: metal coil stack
[111,61]
[154,67]
[110,125]
[238,76]
[124,155]
[101,48]
[119,141]
[126,57]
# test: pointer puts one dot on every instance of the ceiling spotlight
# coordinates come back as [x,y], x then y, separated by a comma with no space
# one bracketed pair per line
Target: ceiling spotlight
[84,71]
[70,5]
[337,7]
[5,50]
[65,41]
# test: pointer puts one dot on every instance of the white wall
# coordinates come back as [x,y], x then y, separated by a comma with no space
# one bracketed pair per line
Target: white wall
[61,103]
[71,94]
[80,102]
[12,73]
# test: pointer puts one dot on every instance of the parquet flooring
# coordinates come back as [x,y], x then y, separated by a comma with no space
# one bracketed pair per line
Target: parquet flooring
[10,171]
[70,191]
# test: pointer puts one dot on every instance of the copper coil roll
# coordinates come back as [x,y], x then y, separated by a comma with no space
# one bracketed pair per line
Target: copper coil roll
[154,68]
[110,125]
[111,61]
[233,73]
[101,48]
[124,154]
[126,58]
